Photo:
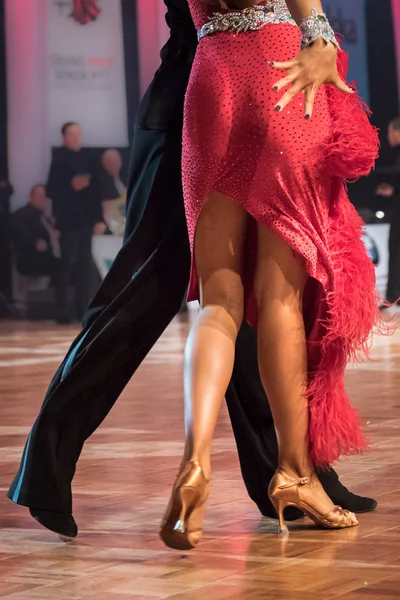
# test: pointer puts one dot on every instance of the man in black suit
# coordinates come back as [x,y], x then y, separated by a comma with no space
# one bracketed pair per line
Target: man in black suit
[72,186]
[139,297]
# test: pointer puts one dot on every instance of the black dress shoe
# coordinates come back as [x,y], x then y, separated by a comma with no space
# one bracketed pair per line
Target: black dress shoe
[61,523]
[341,496]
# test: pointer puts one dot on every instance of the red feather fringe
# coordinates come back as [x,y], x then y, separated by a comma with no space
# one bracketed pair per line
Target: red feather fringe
[348,311]
[346,317]
[354,146]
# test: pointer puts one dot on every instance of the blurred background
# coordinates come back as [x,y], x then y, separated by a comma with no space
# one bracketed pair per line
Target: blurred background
[72,73]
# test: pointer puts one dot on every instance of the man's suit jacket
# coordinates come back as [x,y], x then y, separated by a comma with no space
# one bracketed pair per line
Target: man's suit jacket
[162,105]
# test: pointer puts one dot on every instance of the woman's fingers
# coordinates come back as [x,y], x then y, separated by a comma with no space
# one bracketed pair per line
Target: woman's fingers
[307,72]
[283,66]
[290,94]
[342,86]
[309,94]
[285,81]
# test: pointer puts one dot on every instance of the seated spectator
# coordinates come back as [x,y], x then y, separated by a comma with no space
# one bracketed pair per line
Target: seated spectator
[112,191]
[35,239]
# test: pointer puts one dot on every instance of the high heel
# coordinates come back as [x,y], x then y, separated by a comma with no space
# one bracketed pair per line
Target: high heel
[286,491]
[182,525]
[280,508]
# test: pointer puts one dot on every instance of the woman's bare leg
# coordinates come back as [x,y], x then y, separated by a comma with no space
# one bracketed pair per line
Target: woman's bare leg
[282,353]
[210,349]
[209,357]
[279,286]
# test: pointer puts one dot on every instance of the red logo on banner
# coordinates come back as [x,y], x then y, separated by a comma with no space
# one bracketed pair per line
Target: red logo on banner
[85,11]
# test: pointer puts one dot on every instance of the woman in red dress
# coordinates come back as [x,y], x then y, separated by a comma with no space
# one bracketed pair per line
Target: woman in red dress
[267,148]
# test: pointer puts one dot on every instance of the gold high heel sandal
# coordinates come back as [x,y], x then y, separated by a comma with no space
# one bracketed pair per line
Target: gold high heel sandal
[285,491]
[182,525]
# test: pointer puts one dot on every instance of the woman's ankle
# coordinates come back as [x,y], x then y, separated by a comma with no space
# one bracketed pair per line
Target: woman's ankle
[202,459]
[296,469]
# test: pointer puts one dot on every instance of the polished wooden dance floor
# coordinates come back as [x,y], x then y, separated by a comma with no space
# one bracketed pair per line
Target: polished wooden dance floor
[124,478]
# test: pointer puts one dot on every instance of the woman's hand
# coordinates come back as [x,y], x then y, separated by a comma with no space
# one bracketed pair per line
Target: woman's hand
[310,69]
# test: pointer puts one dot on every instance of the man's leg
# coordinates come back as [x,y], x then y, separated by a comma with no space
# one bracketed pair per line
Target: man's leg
[125,319]
[256,439]
[68,245]
[252,421]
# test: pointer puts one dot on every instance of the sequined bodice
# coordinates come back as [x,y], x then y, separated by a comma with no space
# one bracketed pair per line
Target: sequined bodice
[200,12]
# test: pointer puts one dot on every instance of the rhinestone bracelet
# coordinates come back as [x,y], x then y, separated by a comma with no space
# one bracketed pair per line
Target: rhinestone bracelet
[315,27]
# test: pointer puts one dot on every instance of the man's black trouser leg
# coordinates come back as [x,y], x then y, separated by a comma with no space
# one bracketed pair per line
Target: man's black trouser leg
[84,272]
[68,260]
[252,421]
[123,322]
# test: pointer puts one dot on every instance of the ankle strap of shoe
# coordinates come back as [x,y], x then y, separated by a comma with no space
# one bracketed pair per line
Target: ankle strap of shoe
[294,482]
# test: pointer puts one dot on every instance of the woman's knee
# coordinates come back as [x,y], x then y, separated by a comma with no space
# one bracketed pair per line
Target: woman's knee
[277,289]
[281,275]
[277,297]
[231,301]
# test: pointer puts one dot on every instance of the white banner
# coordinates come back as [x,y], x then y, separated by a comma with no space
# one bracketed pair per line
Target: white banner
[376,240]
[86,77]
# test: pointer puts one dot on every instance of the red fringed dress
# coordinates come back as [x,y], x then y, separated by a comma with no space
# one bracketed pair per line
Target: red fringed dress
[288,173]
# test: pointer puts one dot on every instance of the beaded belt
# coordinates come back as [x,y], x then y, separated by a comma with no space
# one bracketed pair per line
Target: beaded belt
[249,19]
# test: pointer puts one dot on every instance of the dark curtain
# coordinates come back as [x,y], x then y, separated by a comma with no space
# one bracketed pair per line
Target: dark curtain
[5,188]
[384,96]
[3,96]
[382,65]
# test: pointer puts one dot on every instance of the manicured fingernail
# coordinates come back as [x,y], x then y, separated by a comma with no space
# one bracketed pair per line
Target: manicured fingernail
[271,63]
[307,116]
[275,88]
[278,108]
[352,89]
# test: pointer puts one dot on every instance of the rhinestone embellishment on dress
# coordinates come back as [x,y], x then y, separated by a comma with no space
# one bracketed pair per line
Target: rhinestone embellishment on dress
[248,19]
